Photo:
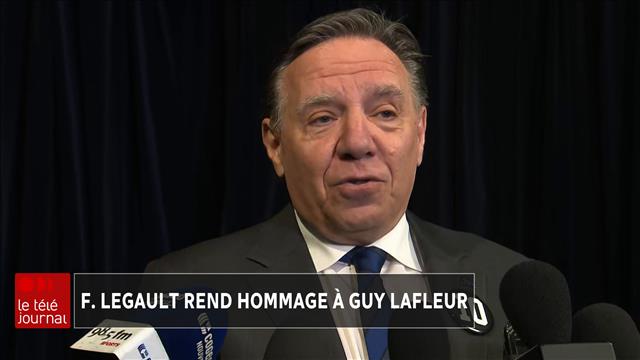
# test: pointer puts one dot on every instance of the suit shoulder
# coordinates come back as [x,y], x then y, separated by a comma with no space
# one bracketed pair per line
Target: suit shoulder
[474,246]
[214,255]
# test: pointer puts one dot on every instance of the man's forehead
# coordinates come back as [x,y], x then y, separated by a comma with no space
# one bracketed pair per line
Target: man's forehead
[346,57]
[330,68]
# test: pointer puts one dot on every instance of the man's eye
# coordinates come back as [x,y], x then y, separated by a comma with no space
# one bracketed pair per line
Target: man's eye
[387,114]
[321,120]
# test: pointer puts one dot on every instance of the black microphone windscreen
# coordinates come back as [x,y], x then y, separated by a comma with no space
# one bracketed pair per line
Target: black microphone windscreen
[608,323]
[536,300]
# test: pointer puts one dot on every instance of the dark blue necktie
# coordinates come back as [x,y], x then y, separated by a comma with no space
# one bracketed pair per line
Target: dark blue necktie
[369,260]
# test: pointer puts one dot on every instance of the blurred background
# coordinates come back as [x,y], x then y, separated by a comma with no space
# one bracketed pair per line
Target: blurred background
[132,128]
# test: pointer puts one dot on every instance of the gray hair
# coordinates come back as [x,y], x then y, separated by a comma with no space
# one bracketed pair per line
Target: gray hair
[358,23]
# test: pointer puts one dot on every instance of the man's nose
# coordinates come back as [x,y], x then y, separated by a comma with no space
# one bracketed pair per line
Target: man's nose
[355,138]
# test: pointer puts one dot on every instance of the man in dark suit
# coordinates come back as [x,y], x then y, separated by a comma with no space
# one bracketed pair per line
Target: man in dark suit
[347,132]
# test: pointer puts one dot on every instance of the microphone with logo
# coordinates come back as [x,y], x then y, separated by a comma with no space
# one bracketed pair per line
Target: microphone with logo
[608,323]
[536,300]
[115,339]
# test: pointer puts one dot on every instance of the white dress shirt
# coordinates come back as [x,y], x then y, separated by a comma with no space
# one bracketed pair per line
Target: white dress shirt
[326,257]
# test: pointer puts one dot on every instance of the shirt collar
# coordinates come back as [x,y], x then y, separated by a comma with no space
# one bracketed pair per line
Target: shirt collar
[396,243]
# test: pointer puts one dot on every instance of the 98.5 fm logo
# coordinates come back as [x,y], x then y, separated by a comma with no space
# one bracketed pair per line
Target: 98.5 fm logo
[107,333]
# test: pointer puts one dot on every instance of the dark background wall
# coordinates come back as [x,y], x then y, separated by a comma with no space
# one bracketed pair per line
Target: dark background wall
[129,129]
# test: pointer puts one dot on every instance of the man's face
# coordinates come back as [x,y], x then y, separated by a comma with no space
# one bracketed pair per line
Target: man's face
[351,138]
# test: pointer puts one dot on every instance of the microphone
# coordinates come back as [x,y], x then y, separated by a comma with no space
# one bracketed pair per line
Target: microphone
[536,300]
[201,341]
[114,339]
[608,323]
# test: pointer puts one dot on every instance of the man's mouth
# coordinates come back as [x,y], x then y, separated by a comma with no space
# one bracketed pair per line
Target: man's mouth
[358,181]
[359,188]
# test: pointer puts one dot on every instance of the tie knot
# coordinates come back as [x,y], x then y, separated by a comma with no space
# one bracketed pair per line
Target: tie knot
[366,259]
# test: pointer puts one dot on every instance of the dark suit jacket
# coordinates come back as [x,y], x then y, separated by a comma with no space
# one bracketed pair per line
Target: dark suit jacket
[278,246]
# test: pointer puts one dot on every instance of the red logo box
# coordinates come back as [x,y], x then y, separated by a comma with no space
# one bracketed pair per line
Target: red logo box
[43,300]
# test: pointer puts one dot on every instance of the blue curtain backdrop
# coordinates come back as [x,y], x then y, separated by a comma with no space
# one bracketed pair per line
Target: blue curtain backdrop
[130,129]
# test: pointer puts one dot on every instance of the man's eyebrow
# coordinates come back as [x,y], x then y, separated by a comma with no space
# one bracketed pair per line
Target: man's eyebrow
[376,92]
[317,100]
[386,91]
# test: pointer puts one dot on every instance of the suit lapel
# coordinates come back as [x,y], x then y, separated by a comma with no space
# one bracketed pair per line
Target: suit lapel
[282,249]
[435,253]
[445,253]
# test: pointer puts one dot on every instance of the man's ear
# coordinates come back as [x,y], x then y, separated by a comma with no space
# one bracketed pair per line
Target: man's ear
[422,129]
[271,143]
